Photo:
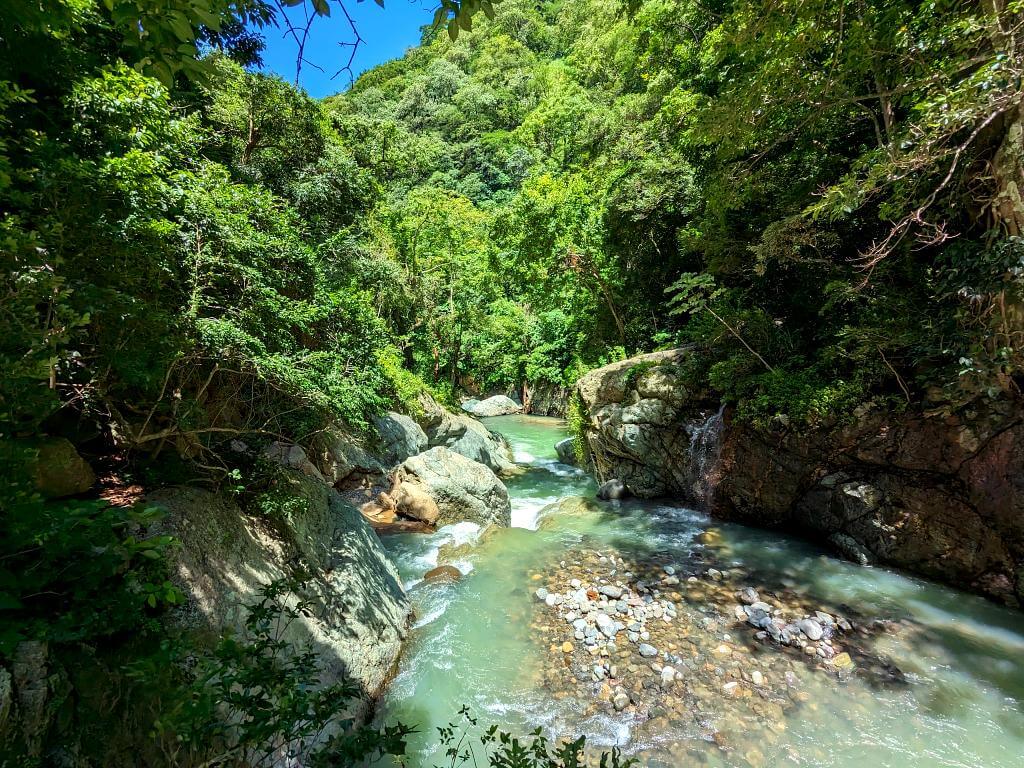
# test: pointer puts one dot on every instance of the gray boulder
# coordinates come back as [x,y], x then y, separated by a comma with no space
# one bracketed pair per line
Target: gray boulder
[402,437]
[499,405]
[441,487]
[345,462]
[612,489]
[468,437]
[566,451]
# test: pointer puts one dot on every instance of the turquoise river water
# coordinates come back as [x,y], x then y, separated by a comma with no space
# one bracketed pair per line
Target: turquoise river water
[938,678]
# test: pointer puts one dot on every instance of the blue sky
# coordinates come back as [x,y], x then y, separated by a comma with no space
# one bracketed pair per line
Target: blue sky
[387,33]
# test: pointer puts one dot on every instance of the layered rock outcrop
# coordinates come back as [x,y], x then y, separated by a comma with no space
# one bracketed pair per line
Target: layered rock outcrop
[939,493]
[225,557]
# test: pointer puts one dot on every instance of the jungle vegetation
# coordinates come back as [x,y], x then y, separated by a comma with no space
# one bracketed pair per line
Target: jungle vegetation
[824,196]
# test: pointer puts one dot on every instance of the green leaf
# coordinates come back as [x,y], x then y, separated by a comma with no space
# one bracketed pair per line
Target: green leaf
[322,7]
[181,27]
[453,30]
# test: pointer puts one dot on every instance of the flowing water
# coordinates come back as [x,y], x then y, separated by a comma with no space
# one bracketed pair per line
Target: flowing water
[938,678]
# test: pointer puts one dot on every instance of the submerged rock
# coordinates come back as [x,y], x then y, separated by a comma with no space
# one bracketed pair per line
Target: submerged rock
[447,573]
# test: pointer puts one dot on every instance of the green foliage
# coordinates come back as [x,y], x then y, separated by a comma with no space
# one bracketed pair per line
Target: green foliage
[503,750]
[575,419]
[74,571]
[258,699]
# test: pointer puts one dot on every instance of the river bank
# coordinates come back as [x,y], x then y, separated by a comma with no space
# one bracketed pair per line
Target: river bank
[933,676]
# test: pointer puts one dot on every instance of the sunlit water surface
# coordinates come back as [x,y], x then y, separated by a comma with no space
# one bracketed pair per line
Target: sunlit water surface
[473,643]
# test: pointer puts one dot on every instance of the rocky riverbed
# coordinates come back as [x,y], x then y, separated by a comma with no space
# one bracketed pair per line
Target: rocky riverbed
[687,647]
[709,651]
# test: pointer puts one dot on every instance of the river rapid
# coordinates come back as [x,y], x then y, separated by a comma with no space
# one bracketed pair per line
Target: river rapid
[935,677]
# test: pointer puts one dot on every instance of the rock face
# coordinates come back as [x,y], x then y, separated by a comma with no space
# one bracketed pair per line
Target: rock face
[941,494]
[401,437]
[937,493]
[442,487]
[226,557]
[498,405]
[639,423]
[566,451]
[466,436]
[546,400]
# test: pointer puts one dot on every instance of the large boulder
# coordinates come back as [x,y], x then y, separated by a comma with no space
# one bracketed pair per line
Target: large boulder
[498,405]
[59,471]
[346,461]
[466,436]
[401,437]
[566,450]
[226,556]
[441,487]
[639,423]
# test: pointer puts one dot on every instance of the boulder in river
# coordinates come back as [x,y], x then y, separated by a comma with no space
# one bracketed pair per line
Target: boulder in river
[498,405]
[443,573]
[566,450]
[442,487]
[612,489]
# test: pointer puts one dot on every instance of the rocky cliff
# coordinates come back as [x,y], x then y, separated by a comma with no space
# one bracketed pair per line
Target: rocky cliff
[939,492]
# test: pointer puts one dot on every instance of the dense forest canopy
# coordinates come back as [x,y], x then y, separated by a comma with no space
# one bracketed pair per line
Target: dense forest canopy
[823,197]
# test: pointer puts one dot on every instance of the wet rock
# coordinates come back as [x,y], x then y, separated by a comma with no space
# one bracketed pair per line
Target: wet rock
[811,628]
[566,451]
[441,487]
[749,596]
[541,594]
[448,573]
[611,490]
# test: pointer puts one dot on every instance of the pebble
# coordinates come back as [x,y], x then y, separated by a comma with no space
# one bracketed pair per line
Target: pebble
[749,596]
[670,570]
[620,702]
[647,651]
[542,594]
[811,628]
[757,678]
[567,647]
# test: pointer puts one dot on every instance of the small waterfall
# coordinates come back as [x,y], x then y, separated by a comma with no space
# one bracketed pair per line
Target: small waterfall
[705,446]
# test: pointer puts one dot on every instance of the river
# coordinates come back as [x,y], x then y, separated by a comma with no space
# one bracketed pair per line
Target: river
[937,677]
